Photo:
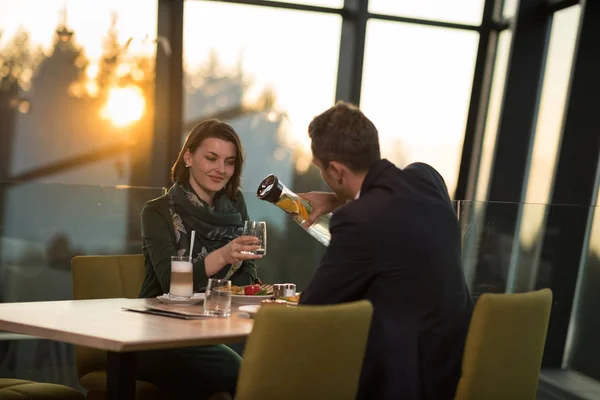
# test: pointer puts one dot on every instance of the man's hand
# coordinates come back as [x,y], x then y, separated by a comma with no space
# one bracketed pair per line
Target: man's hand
[322,203]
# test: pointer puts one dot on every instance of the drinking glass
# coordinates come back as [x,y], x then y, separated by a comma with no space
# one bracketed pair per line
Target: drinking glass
[217,299]
[182,277]
[258,229]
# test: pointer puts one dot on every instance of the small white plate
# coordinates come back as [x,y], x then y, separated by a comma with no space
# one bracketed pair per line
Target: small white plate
[250,309]
[244,299]
[196,298]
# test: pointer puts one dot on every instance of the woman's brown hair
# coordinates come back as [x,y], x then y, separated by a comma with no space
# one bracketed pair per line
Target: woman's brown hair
[210,128]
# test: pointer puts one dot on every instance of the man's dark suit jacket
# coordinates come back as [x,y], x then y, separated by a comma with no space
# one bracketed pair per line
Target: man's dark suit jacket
[399,246]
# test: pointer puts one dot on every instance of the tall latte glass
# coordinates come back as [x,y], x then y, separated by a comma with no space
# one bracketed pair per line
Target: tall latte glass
[182,277]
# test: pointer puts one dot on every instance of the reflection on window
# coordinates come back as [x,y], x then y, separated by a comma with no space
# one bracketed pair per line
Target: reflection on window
[268,83]
[468,12]
[550,116]
[548,131]
[417,92]
[493,115]
[478,231]
[582,350]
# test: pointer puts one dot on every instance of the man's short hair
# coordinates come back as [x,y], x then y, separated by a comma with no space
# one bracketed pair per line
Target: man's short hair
[344,134]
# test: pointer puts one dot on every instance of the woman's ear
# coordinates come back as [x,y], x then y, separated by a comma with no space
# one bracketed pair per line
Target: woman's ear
[187,158]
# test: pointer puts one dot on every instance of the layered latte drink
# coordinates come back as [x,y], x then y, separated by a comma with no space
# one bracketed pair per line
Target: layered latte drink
[182,277]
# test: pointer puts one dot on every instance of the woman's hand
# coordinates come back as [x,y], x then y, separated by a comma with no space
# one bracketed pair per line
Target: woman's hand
[231,253]
[238,250]
[322,203]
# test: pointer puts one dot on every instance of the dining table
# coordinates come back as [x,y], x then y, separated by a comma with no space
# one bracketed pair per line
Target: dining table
[104,324]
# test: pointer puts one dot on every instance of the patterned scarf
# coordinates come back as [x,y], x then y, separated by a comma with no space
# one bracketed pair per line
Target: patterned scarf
[215,227]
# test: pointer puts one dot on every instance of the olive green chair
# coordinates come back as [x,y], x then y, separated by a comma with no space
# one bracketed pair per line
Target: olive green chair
[103,277]
[306,352]
[504,347]
[17,389]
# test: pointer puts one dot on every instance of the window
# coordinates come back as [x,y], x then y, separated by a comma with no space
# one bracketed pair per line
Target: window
[509,8]
[321,3]
[268,84]
[76,112]
[493,115]
[473,216]
[77,90]
[82,86]
[546,142]
[468,12]
[417,92]
[582,350]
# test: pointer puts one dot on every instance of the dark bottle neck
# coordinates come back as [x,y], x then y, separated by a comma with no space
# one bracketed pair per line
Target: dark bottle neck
[270,189]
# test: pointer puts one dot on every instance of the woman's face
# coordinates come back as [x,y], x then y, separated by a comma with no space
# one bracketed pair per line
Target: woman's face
[211,165]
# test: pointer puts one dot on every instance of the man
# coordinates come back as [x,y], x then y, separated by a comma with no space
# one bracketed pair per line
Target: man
[395,240]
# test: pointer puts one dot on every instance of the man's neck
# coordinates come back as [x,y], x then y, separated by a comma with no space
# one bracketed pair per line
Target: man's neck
[355,185]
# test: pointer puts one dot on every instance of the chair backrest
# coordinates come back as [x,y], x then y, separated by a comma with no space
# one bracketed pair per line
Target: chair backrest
[307,352]
[504,347]
[104,277]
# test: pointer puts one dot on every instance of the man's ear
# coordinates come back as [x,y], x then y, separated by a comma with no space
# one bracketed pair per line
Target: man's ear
[337,171]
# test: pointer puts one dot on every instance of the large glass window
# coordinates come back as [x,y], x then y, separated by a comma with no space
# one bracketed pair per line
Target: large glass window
[551,110]
[509,8]
[582,351]
[268,84]
[493,115]
[76,92]
[546,142]
[473,213]
[417,92]
[78,80]
[76,107]
[76,98]
[322,3]
[468,12]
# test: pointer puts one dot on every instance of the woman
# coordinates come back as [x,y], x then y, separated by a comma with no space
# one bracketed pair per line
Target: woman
[205,197]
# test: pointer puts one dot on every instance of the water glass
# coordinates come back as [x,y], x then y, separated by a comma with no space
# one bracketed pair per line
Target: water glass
[217,299]
[258,229]
[182,277]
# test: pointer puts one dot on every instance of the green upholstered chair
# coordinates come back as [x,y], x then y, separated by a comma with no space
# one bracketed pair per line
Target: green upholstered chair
[504,346]
[17,389]
[103,277]
[307,352]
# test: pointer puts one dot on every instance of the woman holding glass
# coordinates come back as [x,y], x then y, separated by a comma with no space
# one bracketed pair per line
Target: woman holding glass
[205,198]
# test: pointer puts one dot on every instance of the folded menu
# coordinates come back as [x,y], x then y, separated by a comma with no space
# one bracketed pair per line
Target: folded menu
[188,312]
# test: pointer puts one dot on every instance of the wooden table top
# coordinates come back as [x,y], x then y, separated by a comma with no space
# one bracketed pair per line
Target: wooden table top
[103,324]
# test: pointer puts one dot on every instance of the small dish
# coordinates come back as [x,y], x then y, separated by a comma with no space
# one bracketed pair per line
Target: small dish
[196,298]
[245,299]
[250,309]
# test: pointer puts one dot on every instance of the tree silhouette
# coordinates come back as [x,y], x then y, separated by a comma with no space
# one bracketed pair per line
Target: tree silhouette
[18,62]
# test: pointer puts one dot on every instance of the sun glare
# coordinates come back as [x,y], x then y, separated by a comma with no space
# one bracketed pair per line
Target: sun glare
[124,106]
